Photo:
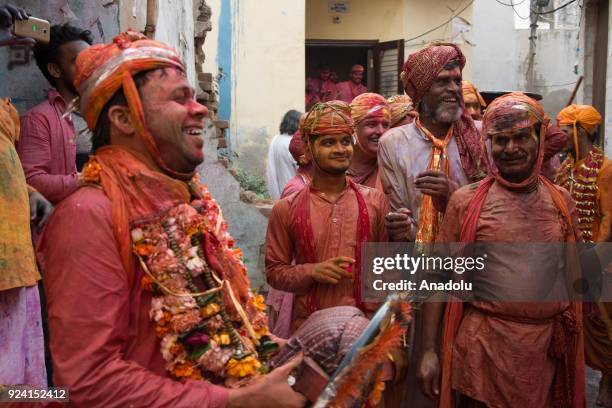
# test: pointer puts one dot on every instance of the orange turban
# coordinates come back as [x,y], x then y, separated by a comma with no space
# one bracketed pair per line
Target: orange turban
[469,88]
[584,116]
[104,69]
[328,118]
[422,67]
[400,105]
[368,105]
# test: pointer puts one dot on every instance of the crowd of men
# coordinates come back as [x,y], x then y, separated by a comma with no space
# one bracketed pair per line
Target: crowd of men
[147,302]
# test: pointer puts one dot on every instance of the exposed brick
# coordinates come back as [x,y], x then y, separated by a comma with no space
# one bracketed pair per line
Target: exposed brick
[222,143]
[203,97]
[221,124]
[206,86]
[205,77]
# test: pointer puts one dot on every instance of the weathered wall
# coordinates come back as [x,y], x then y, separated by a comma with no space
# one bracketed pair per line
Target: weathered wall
[501,55]
[267,74]
[175,27]
[421,16]
[27,86]
[362,22]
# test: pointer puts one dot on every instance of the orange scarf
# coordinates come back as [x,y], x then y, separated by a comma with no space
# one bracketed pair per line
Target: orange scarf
[429,217]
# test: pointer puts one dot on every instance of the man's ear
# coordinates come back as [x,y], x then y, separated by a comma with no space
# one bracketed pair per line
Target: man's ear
[54,70]
[119,117]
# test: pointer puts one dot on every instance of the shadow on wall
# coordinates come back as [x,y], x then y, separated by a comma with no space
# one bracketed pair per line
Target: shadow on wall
[554,101]
[253,150]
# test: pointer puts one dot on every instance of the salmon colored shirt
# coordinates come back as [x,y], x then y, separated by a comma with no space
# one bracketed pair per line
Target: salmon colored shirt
[498,361]
[47,148]
[103,344]
[335,232]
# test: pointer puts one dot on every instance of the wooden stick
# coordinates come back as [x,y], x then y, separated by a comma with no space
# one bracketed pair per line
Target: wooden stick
[571,99]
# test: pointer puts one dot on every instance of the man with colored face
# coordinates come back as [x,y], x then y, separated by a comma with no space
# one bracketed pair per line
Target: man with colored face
[314,236]
[311,94]
[349,90]
[587,175]
[325,87]
[474,103]
[145,289]
[371,115]
[507,352]
[51,135]
[422,163]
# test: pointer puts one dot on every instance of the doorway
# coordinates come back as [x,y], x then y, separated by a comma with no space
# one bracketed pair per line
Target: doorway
[382,61]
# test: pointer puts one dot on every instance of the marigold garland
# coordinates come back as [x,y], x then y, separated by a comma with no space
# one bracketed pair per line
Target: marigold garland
[206,330]
[581,182]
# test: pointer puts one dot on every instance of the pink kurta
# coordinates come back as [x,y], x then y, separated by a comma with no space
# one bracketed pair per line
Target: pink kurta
[347,91]
[47,149]
[335,231]
[103,344]
[498,357]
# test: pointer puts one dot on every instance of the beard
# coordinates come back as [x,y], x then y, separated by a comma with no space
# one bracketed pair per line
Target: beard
[441,114]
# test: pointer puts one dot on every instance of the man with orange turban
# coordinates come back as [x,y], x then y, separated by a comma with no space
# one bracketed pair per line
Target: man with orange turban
[372,116]
[474,103]
[587,175]
[402,110]
[499,351]
[313,243]
[22,349]
[148,300]
[348,90]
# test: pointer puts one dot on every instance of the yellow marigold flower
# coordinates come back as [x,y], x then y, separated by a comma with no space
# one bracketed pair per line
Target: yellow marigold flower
[222,339]
[260,303]
[210,310]
[91,171]
[246,367]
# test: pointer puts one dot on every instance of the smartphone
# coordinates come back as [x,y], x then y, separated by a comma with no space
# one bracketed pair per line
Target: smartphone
[33,27]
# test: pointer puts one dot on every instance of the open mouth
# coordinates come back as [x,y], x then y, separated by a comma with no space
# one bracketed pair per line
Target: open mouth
[194,131]
[450,100]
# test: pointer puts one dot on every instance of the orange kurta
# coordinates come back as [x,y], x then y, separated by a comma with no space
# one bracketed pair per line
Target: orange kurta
[334,228]
[497,358]
[17,260]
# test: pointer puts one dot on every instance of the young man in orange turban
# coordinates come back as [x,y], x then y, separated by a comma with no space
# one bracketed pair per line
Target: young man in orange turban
[509,353]
[148,301]
[322,226]
[474,103]
[587,175]
[372,116]
[348,90]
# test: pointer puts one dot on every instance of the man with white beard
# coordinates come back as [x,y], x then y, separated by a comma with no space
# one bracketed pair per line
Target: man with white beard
[422,163]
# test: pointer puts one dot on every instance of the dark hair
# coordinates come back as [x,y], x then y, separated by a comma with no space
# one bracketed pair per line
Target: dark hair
[291,122]
[49,53]
[101,133]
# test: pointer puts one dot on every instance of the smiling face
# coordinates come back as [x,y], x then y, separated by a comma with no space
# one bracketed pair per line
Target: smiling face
[174,118]
[369,131]
[357,76]
[332,153]
[472,105]
[515,153]
[442,102]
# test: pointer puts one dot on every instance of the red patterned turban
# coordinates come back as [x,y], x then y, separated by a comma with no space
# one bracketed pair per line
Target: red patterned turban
[401,106]
[328,118]
[422,67]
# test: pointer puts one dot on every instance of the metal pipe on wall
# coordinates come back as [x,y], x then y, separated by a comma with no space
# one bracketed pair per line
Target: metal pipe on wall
[152,11]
